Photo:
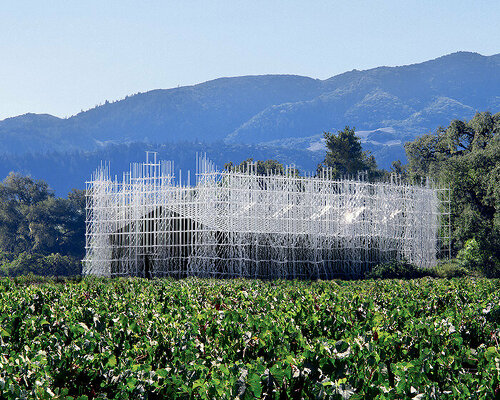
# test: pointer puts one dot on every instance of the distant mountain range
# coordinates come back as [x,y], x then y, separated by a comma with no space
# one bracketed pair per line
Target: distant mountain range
[270,115]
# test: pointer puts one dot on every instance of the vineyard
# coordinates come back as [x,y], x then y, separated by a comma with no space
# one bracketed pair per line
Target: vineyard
[249,339]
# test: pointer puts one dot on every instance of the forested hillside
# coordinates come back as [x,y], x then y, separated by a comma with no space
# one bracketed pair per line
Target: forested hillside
[67,170]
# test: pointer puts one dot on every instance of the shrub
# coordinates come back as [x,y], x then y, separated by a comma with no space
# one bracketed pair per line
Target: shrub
[38,264]
[471,255]
[475,257]
[397,269]
[452,269]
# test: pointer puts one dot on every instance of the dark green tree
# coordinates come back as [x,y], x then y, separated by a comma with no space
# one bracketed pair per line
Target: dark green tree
[18,194]
[345,156]
[34,222]
[398,168]
[427,155]
[465,156]
[58,225]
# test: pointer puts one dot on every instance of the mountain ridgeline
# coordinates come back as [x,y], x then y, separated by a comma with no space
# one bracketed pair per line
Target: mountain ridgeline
[273,116]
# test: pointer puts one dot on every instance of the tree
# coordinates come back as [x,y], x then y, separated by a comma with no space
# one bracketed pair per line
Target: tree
[58,225]
[398,168]
[34,222]
[345,156]
[75,232]
[18,194]
[427,155]
[465,157]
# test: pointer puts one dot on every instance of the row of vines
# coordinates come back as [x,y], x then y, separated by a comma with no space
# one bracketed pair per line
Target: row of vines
[248,339]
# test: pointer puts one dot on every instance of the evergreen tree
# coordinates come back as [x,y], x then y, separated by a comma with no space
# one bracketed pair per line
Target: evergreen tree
[345,156]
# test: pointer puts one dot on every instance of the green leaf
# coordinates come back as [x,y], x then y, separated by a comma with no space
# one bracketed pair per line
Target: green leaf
[163,373]
[255,385]
[131,382]
[490,353]
[111,361]
[198,383]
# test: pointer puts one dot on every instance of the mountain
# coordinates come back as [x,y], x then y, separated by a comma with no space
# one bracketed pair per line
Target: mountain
[208,112]
[412,99]
[273,114]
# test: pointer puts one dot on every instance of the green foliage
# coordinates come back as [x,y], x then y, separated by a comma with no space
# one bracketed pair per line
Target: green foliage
[473,257]
[247,339]
[452,269]
[398,168]
[471,254]
[18,194]
[38,228]
[428,155]
[6,257]
[397,269]
[39,264]
[465,157]
[345,156]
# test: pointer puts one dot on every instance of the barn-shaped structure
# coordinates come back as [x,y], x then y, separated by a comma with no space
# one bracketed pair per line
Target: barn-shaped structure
[240,224]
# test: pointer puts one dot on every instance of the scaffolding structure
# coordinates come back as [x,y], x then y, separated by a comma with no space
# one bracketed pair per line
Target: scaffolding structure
[240,224]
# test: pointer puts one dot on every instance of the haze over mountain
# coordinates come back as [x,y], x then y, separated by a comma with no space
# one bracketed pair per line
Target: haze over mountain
[276,114]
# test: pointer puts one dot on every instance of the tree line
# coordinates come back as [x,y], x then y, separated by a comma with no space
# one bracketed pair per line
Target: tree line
[43,234]
[40,233]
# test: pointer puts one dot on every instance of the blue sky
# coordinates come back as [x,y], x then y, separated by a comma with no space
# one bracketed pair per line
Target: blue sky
[61,57]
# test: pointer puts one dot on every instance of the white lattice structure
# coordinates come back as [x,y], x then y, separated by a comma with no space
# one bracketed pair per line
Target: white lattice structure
[239,224]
